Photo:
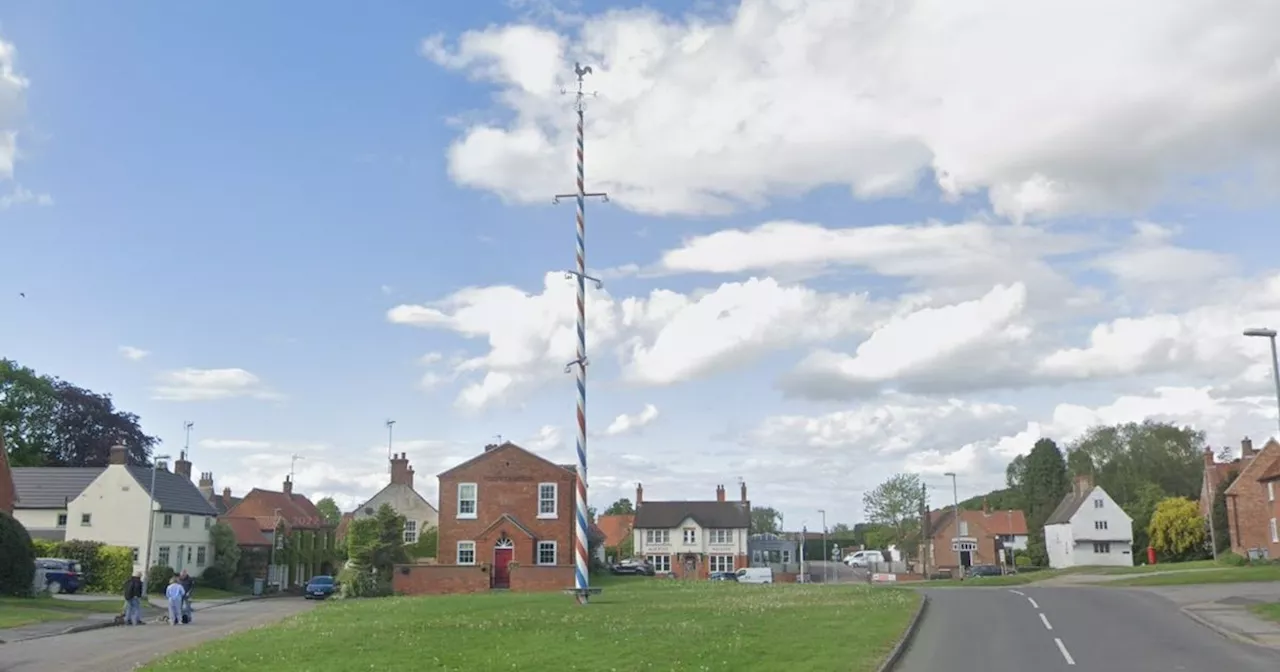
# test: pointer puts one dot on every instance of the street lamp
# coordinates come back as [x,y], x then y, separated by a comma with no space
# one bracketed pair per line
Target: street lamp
[825,559]
[1270,335]
[272,571]
[955,541]
[151,514]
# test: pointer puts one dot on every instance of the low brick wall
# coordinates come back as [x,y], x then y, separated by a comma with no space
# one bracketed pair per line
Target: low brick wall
[526,579]
[438,580]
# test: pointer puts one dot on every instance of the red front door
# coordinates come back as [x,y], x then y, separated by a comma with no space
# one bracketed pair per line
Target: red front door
[501,570]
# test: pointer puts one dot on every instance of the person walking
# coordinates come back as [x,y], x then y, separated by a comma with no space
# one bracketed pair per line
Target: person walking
[175,595]
[188,585]
[133,592]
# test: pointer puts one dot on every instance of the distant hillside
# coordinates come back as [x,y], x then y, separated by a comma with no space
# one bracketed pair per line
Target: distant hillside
[997,500]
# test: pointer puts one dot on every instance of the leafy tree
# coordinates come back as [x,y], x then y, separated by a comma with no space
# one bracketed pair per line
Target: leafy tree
[390,550]
[896,503]
[878,537]
[1015,472]
[426,545]
[1079,463]
[1176,529]
[1221,524]
[996,500]
[764,520]
[841,530]
[329,510]
[1044,484]
[1129,455]
[627,548]
[28,406]
[622,507]
[1149,496]
[17,558]
[591,514]
[226,552]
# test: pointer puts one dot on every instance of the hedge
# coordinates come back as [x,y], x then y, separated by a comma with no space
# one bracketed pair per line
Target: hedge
[105,567]
[17,557]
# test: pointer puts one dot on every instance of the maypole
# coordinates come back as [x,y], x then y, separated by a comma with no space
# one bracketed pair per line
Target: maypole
[581,585]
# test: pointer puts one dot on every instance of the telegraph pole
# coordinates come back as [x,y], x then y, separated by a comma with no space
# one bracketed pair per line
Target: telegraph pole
[581,585]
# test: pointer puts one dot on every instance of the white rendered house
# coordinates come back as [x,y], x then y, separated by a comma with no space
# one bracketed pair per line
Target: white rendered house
[1088,529]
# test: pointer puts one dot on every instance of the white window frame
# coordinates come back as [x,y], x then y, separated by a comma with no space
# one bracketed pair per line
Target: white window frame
[657,536]
[62,520]
[1097,503]
[1271,491]
[202,556]
[554,501]
[720,536]
[474,499]
[964,529]
[186,522]
[464,546]
[410,531]
[690,536]
[542,545]
[166,521]
[1102,547]
[661,563]
[1099,524]
[1275,533]
[720,563]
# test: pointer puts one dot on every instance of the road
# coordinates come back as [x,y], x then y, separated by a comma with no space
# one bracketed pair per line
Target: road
[1076,628]
[121,649]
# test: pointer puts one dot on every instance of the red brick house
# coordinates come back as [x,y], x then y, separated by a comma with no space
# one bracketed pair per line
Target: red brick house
[616,529]
[981,534]
[8,492]
[1253,502]
[305,545]
[1215,473]
[506,522]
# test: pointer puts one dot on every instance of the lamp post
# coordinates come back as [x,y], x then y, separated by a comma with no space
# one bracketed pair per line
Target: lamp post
[151,515]
[955,541]
[272,572]
[825,559]
[1270,335]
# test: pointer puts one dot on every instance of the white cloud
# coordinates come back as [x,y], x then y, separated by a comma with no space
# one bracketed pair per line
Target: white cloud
[632,423]
[21,196]
[210,385]
[131,353]
[706,112]
[233,444]
[13,90]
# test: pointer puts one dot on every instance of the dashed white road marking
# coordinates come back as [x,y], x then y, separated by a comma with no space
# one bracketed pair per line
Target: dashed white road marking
[1063,649]
[1032,600]
[1017,592]
[1046,622]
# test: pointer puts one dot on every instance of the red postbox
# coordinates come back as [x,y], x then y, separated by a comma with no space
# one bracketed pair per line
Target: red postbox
[1151,555]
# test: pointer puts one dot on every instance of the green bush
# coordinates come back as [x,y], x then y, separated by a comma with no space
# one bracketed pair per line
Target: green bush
[359,581]
[45,548]
[1232,559]
[17,557]
[1021,560]
[158,578]
[114,567]
[214,577]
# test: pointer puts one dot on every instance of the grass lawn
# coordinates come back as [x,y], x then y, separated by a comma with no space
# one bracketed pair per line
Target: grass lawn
[1269,611]
[19,611]
[1145,569]
[635,624]
[1224,575]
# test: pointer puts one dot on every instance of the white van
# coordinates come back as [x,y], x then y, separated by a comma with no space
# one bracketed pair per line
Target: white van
[755,575]
[864,558]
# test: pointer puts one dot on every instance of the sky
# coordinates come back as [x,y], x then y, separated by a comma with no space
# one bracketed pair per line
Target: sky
[843,239]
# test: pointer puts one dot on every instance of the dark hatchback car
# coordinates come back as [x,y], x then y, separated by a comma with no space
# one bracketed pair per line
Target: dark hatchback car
[320,587]
[978,571]
[632,567]
[59,575]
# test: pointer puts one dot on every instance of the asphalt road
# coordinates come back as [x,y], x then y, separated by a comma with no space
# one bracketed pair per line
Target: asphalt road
[120,649]
[1046,629]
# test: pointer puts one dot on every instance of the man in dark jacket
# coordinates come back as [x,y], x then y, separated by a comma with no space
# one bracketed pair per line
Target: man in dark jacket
[188,583]
[133,593]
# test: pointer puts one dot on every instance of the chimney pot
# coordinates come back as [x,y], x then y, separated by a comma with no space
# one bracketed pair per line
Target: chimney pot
[639,494]
[1246,448]
[1084,483]
[720,493]
[118,455]
[226,493]
[744,491]
[288,486]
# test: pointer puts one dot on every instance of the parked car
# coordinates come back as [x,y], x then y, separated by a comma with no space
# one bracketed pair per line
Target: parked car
[977,571]
[724,576]
[632,567]
[320,587]
[58,575]
[755,575]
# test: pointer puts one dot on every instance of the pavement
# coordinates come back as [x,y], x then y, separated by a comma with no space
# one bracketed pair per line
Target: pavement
[120,649]
[1070,628]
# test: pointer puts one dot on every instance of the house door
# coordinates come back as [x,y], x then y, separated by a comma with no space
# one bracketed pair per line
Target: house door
[966,559]
[502,552]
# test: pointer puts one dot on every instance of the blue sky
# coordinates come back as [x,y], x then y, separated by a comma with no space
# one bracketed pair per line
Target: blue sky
[256,187]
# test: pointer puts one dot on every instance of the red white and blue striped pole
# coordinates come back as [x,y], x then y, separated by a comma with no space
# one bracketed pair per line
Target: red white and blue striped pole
[582,580]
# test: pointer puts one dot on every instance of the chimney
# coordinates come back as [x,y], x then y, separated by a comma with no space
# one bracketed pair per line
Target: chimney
[720,493]
[1246,449]
[1084,483]
[1208,457]
[206,484]
[226,495]
[288,485]
[182,466]
[119,455]
[744,491]
[490,447]
[401,472]
[639,494]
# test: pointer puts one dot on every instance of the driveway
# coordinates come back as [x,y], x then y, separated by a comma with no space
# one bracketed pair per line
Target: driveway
[1062,628]
[121,649]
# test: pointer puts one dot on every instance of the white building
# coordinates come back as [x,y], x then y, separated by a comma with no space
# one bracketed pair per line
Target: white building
[693,539]
[1088,529]
[419,514]
[109,505]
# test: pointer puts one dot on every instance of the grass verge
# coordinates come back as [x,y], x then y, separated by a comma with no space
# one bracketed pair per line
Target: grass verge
[1146,569]
[16,612]
[1224,575]
[633,625]
[1269,611]
[981,581]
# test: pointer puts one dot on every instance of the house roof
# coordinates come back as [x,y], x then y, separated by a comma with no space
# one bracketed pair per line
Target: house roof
[494,450]
[295,509]
[389,486]
[248,531]
[1271,473]
[616,528]
[714,514]
[1257,467]
[51,487]
[223,503]
[997,522]
[173,493]
[343,524]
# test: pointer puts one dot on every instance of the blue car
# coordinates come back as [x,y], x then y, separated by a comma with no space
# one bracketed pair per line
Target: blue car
[58,575]
[320,587]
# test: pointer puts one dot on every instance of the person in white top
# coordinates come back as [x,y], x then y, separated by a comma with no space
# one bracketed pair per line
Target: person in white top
[175,593]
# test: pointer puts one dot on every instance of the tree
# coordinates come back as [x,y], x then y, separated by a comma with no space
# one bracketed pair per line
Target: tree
[329,510]
[17,558]
[896,503]
[28,406]
[426,545]
[591,514]
[764,520]
[1129,455]
[1044,484]
[622,507]
[841,530]
[1221,525]
[1176,529]
[1080,463]
[1015,472]
[226,552]
[1149,496]
[878,537]
[390,549]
